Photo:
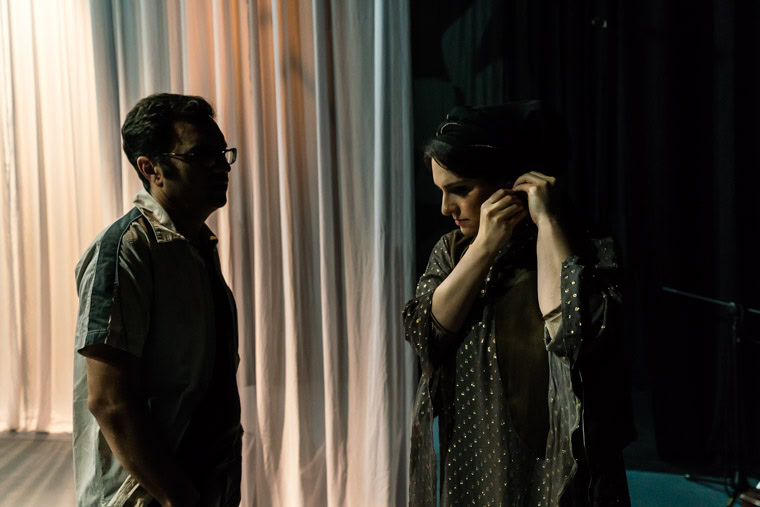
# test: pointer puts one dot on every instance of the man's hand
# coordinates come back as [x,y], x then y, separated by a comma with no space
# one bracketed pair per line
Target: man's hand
[499,214]
[115,399]
[540,191]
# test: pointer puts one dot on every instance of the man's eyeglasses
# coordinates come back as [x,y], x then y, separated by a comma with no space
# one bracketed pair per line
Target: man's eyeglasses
[206,158]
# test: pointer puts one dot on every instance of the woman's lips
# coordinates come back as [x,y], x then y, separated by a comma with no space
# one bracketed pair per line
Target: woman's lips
[460,221]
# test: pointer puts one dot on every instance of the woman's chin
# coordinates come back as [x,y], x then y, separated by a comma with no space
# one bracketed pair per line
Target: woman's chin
[468,232]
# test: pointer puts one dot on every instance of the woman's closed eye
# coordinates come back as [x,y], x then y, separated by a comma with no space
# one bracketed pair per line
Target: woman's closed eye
[461,190]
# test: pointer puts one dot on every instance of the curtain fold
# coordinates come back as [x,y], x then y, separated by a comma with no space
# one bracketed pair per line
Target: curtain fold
[316,241]
[48,208]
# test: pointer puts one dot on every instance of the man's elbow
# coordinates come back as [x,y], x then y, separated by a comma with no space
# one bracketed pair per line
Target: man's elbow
[106,409]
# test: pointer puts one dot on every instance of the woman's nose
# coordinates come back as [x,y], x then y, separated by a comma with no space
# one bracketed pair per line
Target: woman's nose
[447,207]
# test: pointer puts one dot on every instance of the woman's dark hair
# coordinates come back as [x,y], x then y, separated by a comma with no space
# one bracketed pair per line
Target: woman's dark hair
[495,143]
[149,127]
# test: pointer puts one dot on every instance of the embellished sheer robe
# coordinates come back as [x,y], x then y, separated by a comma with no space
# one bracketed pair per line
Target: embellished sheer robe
[508,388]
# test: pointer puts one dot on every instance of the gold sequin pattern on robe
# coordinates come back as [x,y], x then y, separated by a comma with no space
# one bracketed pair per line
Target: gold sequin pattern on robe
[484,461]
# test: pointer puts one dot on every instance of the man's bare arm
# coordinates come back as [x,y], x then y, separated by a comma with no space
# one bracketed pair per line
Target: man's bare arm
[116,401]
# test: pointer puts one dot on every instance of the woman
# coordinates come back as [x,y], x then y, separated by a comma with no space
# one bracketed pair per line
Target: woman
[516,324]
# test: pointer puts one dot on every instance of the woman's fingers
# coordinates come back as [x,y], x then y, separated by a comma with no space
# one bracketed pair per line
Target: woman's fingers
[534,178]
[543,176]
[501,211]
[526,178]
[523,187]
[538,188]
[506,214]
[496,196]
[499,217]
[512,210]
[502,198]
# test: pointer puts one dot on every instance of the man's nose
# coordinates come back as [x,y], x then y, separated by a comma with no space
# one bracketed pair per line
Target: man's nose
[221,164]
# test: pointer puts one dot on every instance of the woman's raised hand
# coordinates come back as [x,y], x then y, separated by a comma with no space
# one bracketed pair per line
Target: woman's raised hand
[539,188]
[499,214]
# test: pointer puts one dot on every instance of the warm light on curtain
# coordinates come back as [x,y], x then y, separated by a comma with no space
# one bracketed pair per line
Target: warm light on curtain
[50,203]
[316,241]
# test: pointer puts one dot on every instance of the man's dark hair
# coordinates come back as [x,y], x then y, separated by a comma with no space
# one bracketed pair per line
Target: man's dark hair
[149,127]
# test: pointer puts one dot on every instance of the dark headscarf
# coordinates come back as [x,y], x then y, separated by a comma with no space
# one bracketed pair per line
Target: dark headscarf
[498,142]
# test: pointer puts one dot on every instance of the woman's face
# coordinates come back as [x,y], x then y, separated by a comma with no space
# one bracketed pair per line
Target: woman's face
[461,198]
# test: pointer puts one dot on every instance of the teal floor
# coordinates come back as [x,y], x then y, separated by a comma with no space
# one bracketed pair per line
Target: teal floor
[653,489]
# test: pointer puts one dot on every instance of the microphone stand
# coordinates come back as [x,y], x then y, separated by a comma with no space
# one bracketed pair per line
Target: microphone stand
[738,478]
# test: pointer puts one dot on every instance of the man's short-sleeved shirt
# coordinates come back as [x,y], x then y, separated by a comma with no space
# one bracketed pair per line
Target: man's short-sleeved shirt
[145,290]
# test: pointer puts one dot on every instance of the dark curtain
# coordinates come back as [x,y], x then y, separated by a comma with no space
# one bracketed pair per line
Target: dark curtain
[661,102]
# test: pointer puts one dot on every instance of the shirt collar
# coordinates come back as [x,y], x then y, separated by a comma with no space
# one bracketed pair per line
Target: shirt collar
[161,222]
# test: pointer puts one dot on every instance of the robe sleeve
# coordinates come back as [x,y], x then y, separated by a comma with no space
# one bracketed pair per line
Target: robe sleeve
[427,337]
[591,306]
[422,330]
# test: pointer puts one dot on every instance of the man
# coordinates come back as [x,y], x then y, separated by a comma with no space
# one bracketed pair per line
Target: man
[156,406]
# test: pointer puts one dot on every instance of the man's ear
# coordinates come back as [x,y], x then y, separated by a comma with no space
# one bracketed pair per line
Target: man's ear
[150,170]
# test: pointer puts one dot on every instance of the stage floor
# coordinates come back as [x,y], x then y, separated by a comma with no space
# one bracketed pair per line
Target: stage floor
[36,470]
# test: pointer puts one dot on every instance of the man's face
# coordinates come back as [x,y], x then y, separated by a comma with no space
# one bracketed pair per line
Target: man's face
[196,184]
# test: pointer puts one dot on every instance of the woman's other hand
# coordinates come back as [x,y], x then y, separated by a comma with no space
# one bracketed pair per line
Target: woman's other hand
[499,214]
[540,190]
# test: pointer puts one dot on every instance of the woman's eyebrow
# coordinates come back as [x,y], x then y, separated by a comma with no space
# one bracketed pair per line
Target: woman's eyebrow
[454,184]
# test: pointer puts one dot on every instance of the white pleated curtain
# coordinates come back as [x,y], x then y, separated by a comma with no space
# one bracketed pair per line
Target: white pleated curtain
[316,240]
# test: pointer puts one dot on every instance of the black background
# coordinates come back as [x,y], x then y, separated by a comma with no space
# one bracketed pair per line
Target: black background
[661,102]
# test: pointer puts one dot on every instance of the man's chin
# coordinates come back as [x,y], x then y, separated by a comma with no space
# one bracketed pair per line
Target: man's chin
[218,199]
